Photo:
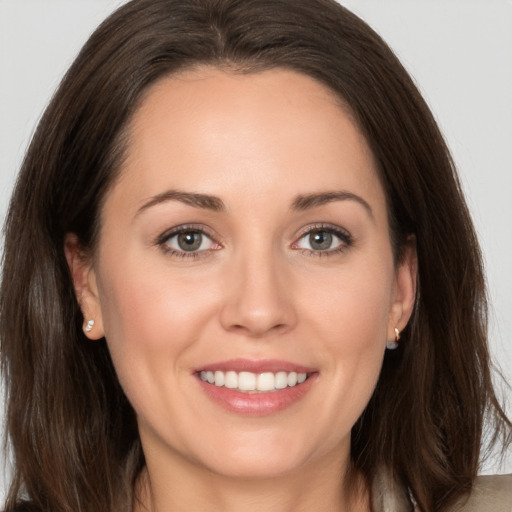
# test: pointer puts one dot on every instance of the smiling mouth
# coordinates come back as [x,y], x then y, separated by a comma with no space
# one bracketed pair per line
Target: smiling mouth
[248,382]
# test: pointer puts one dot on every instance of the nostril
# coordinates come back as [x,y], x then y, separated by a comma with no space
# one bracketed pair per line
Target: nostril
[256,332]
[256,310]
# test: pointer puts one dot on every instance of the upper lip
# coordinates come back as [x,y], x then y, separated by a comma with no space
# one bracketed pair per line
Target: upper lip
[256,366]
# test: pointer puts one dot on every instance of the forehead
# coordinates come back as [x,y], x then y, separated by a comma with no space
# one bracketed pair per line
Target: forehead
[212,130]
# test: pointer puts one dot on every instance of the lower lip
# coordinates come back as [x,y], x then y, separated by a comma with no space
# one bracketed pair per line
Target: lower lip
[257,404]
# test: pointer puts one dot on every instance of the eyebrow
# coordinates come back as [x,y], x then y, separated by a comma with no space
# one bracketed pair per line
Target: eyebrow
[214,203]
[203,201]
[305,202]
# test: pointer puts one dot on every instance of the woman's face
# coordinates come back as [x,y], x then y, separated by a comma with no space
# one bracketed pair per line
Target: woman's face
[246,243]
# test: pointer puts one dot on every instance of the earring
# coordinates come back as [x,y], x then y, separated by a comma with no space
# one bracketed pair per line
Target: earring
[392,345]
[89,326]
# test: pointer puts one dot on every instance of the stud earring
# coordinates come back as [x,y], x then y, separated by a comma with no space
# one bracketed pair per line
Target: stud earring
[89,326]
[392,345]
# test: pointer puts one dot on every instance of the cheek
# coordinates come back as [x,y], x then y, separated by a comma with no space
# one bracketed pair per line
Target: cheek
[349,320]
[150,320]
[351,306]
[149,305]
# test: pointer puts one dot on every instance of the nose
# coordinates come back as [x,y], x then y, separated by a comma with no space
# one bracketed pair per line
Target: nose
[259,298]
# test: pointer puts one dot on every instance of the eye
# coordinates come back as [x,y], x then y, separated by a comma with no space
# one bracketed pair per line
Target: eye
[324,239]
[187,242]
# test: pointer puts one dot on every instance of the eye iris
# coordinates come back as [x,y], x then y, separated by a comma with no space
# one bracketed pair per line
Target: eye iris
[190,241]
[320,240]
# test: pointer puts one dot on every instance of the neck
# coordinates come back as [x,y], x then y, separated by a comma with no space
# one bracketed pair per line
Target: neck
[320,487]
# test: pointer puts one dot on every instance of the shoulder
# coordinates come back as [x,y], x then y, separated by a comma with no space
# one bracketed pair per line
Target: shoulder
[491,493]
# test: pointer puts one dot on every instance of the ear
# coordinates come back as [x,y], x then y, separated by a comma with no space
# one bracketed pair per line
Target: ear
[86,288]
[405,289]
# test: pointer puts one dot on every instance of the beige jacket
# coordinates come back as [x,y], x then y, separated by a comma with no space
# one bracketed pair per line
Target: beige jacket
[490,494]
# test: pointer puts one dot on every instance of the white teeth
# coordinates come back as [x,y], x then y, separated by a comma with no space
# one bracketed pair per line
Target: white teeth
[292,379]
[281,380]
[248,381]
[266,382]
[219,378]
[231,380]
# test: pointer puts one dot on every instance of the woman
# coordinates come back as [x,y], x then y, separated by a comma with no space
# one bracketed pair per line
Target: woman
[239,272]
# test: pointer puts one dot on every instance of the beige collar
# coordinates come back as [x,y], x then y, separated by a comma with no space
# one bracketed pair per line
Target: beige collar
[491,493]
[389,496]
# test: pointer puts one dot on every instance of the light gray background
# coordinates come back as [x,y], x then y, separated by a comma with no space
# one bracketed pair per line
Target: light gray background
[459,52]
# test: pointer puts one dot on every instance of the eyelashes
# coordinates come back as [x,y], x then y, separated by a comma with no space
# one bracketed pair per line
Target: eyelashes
[188,241]
[323,240]
[194,241]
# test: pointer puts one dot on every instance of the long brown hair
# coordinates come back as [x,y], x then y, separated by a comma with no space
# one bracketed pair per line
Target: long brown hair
[73,432]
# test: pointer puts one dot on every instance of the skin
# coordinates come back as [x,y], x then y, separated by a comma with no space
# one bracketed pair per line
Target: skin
[256,290]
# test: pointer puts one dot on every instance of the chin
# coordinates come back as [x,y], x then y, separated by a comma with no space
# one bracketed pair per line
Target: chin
[255,468]
[260,458]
